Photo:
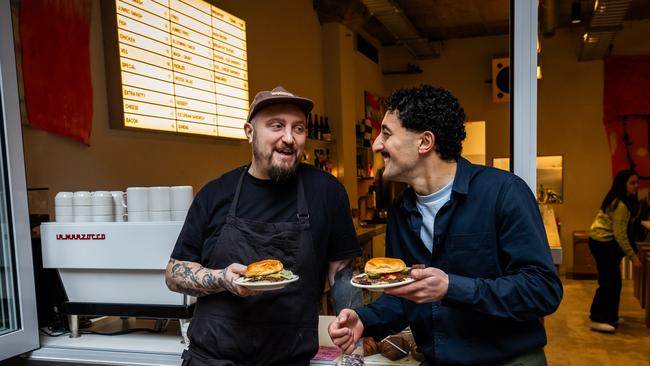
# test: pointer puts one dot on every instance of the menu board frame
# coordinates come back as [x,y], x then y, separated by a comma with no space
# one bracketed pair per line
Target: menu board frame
[114,81]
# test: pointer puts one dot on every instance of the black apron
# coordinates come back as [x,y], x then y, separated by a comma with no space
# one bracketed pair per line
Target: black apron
[273,328]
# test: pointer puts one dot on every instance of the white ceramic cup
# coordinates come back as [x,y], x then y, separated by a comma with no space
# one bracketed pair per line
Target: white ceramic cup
[179,215]
[181,198]
[102,210]
[79,210]
[159,199]
[64,218]
[119,198]
[119,213]
[81,198]
[63,199]
[138,216]
[137,199]
[83,218]
[63,211]
[119,205]
[102,218]
[160,216]
[101,198]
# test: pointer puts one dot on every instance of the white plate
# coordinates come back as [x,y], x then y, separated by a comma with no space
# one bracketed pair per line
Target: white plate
[379,288]
[265,286]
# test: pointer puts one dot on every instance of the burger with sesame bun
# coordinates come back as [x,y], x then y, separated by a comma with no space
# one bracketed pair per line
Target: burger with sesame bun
[268,270]
[382,271]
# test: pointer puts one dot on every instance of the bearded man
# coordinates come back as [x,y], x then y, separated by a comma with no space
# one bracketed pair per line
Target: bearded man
[273,208]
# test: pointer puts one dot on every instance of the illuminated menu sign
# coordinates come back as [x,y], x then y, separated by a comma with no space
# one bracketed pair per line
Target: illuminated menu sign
[183,67]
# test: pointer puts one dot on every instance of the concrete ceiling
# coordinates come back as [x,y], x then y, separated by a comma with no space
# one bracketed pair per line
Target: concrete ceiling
[438,20]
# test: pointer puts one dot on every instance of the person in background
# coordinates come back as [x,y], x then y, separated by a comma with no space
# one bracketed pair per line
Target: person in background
[489,277]
[275,207]
[609,242]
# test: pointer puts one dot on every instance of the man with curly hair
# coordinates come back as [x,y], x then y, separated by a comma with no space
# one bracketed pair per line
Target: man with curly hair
[489,276]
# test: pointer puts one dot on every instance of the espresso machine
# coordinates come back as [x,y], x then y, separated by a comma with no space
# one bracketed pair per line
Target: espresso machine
[114,269]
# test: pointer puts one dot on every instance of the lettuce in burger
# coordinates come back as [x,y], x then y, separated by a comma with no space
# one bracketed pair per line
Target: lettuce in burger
[268,270]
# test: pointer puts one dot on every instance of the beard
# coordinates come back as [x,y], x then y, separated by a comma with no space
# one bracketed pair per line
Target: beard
[282,173]
[278,172]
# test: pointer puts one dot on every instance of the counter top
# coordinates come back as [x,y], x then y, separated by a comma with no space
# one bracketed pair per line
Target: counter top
[552,234]
[143,349]
[366,232]
[146,349]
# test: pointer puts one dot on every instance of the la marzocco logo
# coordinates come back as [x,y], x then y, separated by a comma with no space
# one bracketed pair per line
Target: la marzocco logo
[80,236]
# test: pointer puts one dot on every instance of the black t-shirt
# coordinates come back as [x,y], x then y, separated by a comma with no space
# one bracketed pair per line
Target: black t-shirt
[331,225]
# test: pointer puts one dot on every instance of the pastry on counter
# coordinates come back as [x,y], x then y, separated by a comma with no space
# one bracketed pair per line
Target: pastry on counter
[370,347]
[394,347]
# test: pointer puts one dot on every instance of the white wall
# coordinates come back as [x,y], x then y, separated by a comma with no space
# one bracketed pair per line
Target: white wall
[284,48]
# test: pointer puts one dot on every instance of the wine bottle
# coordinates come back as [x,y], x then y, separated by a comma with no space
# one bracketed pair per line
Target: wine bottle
[327,133]
[312,134]
[310,126]
[319,132]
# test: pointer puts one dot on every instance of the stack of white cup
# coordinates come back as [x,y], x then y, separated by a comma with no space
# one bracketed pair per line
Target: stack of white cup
[142,203]
[159,204]
[181,199]
[102,206]
[63,207]
[82,206]
[119,205]
[137,201]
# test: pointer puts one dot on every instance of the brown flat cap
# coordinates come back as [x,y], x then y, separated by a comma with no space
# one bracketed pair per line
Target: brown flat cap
[278,95]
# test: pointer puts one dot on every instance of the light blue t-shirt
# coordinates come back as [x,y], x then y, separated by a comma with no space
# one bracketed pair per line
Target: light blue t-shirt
[428,206]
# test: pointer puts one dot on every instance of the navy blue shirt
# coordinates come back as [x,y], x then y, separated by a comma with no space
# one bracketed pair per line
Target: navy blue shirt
[490,239]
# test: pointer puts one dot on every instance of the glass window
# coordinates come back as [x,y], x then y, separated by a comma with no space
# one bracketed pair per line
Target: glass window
[8,308]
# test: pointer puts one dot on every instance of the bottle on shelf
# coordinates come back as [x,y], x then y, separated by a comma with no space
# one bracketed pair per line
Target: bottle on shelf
[319,131]
[322,159]
[359,133]
[327,133]
[372,196]
[312,133]
[328,162]
[310,125]
[367,135]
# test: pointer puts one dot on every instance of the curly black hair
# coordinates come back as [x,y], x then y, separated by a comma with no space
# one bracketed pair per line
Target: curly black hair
[427,108]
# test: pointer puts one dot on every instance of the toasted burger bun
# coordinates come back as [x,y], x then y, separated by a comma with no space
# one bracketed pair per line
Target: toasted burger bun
[263,268]
[384,265]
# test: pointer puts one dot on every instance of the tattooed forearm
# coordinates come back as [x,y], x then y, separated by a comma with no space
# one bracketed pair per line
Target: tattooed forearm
[224,283]
[193,279]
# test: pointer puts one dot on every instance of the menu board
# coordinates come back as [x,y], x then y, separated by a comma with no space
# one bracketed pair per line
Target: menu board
[182,66]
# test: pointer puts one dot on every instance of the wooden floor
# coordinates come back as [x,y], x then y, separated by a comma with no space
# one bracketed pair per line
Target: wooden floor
[571,343]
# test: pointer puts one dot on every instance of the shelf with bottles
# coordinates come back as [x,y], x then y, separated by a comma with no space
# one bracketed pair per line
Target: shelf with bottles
[321,157]
[364,154]
[318,128]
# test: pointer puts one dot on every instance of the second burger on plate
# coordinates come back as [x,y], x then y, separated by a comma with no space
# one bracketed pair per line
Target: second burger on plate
[382,271]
